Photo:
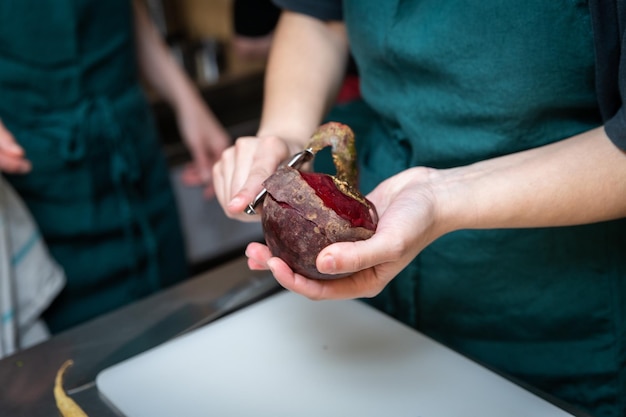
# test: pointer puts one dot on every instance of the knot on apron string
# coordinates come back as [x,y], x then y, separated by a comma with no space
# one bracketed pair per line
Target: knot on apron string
[99,121]
[73,149]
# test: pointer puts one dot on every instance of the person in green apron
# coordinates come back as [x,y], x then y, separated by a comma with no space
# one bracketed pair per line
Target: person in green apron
[498,180]
[80,146]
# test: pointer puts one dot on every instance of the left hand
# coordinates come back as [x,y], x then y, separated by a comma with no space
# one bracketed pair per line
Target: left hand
[206,139]
[200,129]
[407,223]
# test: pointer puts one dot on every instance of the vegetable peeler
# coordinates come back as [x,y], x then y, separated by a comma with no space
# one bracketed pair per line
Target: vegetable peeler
[296,161]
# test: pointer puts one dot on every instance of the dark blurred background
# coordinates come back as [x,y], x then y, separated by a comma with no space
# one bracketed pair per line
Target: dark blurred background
[203,36]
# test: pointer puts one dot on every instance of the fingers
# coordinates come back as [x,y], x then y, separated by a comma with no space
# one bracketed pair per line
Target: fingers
[190,175]
[350,257]
[202,162]
[258,255]
[406,226]
[209,191]
[245,181]
[204,135]
[362,284]
[240,172]
[227,179]
[260,258]
[206,150]
[270,152]
[14,165]
[8,144]
[12,159]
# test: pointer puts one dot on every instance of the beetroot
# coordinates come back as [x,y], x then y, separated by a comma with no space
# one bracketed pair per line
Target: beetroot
[305,212]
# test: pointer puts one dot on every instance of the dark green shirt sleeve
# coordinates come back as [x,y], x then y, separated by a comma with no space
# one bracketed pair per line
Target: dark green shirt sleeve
[321,9]
[610,46]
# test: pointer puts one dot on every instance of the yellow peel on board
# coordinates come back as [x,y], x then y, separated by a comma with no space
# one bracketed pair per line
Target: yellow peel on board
[65,404]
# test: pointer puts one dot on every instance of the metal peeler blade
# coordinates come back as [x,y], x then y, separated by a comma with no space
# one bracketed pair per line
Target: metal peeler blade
[296,161]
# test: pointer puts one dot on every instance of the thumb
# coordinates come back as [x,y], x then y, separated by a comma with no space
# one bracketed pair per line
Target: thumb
[248,192]
[351,257]
[263,166]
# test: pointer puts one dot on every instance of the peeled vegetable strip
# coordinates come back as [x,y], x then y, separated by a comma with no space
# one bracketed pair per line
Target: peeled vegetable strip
[65,404]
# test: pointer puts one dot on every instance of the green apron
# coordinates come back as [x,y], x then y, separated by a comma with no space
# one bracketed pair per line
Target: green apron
[99,188]
[450,83]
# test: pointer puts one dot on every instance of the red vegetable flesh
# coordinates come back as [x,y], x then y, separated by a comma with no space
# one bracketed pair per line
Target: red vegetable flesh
[348,208]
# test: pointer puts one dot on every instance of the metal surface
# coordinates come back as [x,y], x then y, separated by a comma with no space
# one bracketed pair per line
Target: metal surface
[209,234]
[28,376]
[296,161]
[349,357]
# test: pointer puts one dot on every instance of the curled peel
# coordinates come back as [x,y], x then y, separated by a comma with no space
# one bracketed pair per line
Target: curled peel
[67,406]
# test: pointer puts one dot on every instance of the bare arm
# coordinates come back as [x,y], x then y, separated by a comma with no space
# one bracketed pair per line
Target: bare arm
[304,73]
[157,65]
[575,181]
[305,70]
[203,133]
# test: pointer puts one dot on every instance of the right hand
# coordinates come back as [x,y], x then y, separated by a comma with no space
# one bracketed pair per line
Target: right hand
[12,157]
[239,174]
[205,138]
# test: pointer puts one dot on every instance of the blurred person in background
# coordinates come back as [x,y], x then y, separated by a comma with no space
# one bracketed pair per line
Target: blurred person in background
[79,145]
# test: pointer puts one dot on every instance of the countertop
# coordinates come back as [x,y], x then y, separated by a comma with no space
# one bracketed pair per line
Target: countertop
[28,376]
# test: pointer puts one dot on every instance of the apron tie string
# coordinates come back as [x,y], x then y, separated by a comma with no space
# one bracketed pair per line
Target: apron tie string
[97,118]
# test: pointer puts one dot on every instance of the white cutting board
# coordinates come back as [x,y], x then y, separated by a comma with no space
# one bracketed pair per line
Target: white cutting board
[289,356]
